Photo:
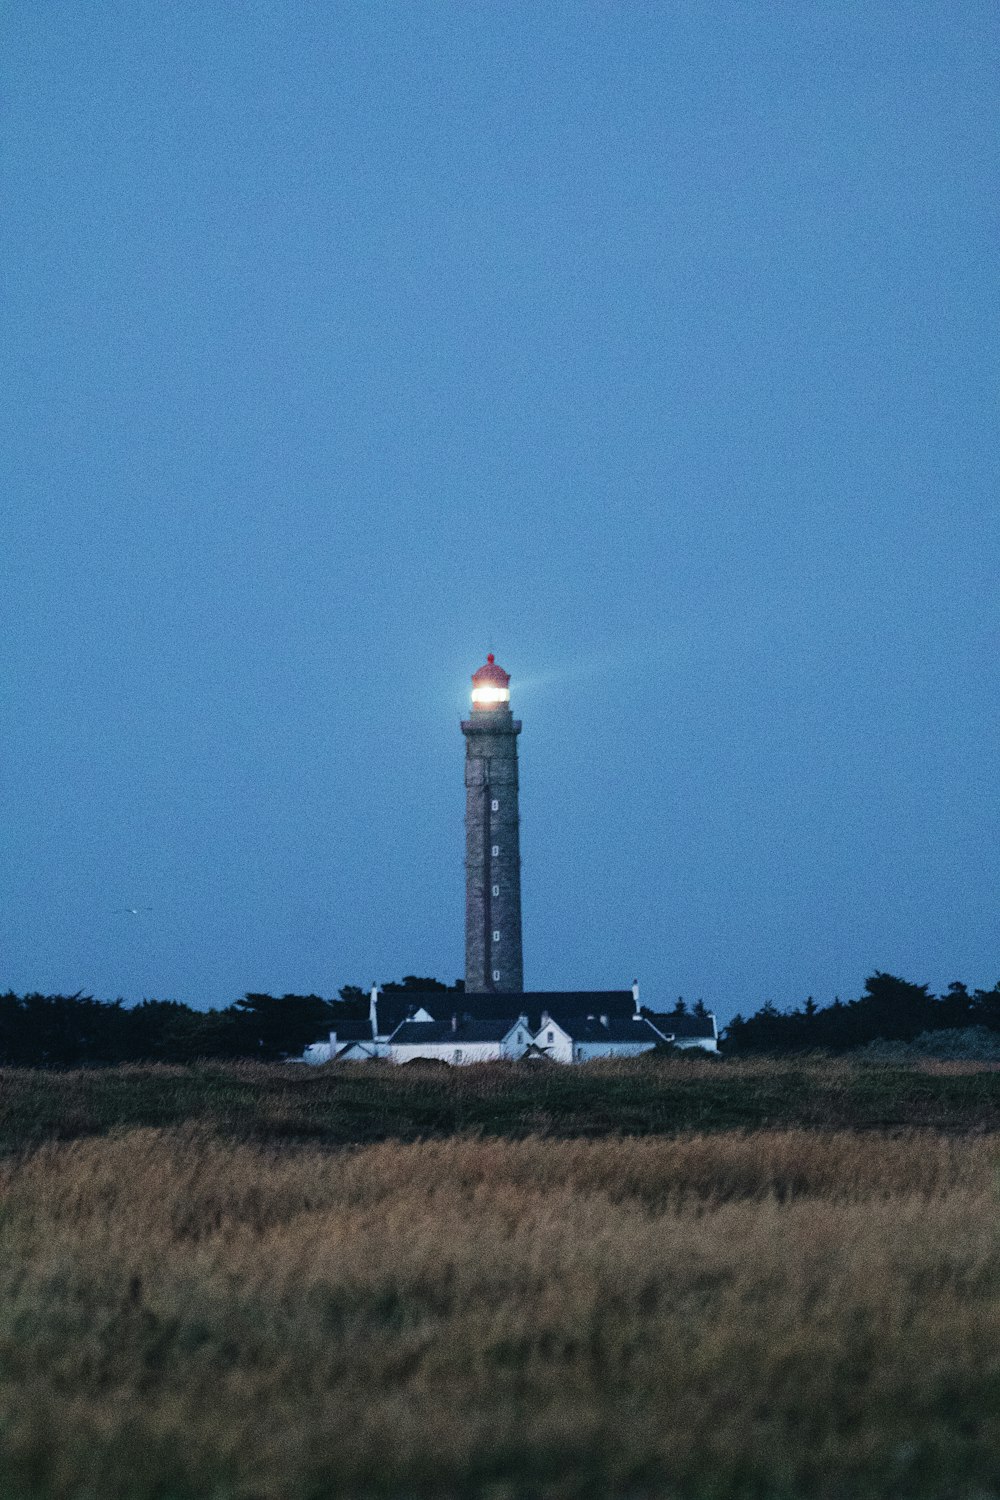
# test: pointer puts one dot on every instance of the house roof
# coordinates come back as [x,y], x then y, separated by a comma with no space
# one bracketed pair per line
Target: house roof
[361,1048]
[561,1005]
[352,1031]
[397,1006]
[442,1032]
[682,1026]
[508,1005]
[592,1029]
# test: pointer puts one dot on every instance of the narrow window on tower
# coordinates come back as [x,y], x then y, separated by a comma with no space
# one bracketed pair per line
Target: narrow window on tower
[494,805]
[496,934]
[495,850]
[496,890]
[496,975]
[458,1054]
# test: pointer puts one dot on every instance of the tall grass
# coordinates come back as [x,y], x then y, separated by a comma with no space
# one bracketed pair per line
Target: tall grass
[779,1314]
[343,1104]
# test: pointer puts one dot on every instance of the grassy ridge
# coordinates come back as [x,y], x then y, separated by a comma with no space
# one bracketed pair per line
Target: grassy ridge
[355,1105]
[768,1316]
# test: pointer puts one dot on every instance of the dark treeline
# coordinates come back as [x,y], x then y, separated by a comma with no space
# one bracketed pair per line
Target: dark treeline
[890,1010]
[69,1031]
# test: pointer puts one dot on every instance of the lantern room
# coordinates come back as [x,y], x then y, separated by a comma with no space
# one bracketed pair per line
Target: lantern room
[490,686]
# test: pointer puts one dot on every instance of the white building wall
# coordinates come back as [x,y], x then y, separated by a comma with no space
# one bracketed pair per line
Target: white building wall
[324,1052]
[457,1051]
[591,1051]
[516,1042]
[362,1051]
[553,1040]
[316,1053]
[447,1052]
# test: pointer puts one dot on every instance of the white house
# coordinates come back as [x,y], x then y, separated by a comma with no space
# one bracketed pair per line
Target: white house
[585,1038]
[460,1041]
[686,1031]
[361,1041]
[565,1027]
[351,1042]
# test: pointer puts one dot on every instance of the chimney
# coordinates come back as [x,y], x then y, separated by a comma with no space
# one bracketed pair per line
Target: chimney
[546,1018]
[604,1020]
[373,1010]
[635,993]
[333,1045]
[522,1020]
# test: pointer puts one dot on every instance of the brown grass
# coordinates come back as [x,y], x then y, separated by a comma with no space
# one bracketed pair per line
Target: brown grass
[782,1314]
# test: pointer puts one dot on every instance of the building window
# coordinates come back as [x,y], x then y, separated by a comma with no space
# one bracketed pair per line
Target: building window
[550,1036]
[494,805]
[496,890]
[496,934]
[458,1054]
[496,976]
[495,850]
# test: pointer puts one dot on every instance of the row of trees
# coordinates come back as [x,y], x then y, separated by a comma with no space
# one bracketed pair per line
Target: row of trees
[891,1009]
[67,1031]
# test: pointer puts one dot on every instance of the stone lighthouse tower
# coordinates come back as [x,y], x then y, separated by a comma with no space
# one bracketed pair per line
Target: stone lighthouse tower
[492,842]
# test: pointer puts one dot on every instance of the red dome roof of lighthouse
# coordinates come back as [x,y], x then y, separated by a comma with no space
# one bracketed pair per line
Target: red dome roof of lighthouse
[490,675]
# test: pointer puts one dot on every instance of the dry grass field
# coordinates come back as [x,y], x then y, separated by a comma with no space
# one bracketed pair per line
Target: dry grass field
[777,1314]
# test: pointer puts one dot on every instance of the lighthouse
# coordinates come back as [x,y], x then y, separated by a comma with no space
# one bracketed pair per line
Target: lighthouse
[493,959]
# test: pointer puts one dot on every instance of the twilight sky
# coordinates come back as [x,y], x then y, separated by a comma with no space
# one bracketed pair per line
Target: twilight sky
[652,346]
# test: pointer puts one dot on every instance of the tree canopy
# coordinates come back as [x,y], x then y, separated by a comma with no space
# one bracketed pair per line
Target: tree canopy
[890,1009]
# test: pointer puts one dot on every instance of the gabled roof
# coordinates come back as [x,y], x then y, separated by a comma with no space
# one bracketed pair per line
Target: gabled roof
[399,1005]
[352,1031]
[592,1029]
[572,1002]
[391,1009]
[412,1033]
[561,1005]
[682,1026]
[353,1050]
[508,1005]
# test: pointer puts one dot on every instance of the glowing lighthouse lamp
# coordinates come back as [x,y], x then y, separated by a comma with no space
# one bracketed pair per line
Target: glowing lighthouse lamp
[490,685]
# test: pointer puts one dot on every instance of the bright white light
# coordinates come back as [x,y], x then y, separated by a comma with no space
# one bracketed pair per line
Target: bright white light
[490,695]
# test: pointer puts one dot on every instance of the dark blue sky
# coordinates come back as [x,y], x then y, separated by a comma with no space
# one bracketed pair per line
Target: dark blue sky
[651,346]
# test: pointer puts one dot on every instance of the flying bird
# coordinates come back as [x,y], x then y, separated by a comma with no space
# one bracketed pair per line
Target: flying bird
[131,911]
